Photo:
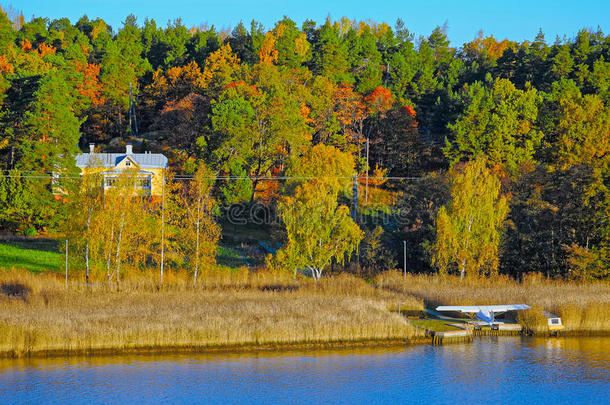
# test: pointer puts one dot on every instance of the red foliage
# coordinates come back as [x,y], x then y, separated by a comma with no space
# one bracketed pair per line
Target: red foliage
[407,109]
[380,100]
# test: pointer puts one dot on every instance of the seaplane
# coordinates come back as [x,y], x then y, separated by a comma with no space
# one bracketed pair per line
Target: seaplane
[486,314]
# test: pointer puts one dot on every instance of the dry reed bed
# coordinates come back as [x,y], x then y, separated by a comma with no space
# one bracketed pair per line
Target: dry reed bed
[583,306]
[39,314]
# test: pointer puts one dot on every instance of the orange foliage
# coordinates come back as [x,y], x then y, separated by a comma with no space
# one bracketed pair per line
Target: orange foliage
[268,190]
[488,45]
[378,178]
[242,88]
[185,104]
[175,83]
[44,50]
[268,53]
[305,111]
[407,109]
[349,106]
[85,50]
[90,87]
[5,65]
[186,74]
[26,45]
[380,100]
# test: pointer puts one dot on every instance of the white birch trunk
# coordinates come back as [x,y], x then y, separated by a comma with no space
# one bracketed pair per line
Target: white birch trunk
[118,249]
[87,249]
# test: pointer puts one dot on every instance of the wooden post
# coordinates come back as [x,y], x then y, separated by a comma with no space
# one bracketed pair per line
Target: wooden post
[404,244]
[66,262]
[366,192]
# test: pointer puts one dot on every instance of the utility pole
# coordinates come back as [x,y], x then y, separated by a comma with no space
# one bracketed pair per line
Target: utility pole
[66,262]
[404,244]
[366,192]
[130,127]
[355,197]
[132,111]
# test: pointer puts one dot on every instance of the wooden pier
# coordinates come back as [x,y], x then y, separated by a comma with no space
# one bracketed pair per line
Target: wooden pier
[463,334]
[467,331]
[503,329]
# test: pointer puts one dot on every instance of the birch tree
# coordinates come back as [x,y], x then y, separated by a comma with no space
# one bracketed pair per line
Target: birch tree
[82,219]
[199,232]
[319,229]
[468,229]
[122,224]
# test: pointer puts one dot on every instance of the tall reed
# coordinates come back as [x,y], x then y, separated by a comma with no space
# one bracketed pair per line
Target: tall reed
[45,315]
[583,306]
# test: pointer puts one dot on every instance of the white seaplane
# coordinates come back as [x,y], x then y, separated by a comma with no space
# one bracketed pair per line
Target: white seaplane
[486,314]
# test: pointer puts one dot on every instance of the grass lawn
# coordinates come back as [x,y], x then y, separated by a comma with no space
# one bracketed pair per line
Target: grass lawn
[436,325]
[231,257]
[33,258]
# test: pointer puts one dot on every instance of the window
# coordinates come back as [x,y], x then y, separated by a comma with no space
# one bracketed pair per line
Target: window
[555,321]
[128,163]
[143,182]
[110,181]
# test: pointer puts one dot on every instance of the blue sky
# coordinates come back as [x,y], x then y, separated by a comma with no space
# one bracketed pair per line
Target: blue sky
[515,19]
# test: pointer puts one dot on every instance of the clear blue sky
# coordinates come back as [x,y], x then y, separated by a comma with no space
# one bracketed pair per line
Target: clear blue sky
[513,19]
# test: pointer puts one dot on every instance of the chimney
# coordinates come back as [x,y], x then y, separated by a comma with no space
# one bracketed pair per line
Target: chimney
[128,149]
[91,148]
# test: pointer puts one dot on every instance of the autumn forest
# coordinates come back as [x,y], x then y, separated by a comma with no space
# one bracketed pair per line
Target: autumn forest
[338,139]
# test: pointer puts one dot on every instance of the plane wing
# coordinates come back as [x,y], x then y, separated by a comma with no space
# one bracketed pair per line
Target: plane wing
[473,309]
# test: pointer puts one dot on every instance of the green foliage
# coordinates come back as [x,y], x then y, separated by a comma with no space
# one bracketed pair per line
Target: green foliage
[498,122]
[306,102]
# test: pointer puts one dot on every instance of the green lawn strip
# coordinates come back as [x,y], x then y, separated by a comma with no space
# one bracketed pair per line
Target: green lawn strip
[231,257]
[34,260]
[436,325]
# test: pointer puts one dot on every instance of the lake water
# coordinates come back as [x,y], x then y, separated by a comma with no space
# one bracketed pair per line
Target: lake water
[499,370]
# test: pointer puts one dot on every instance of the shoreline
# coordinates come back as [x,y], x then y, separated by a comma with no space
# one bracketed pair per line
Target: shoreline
[250,347]
[230,348]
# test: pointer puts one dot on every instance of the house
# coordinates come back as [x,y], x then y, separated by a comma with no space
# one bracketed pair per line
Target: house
[150,168]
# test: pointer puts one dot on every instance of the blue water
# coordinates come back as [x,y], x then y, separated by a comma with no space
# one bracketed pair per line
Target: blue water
[489,370]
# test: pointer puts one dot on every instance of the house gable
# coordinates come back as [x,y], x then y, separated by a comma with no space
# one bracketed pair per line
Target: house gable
[127,163]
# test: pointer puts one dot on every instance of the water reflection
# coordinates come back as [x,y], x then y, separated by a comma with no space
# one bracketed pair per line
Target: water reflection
[564,370]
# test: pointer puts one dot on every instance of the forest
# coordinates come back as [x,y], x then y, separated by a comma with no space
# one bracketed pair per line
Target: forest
[349,136]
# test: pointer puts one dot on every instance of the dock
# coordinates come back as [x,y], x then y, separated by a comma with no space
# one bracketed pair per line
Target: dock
[464,334]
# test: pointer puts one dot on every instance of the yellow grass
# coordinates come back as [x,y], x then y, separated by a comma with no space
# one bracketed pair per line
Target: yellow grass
[583,306]
[39,314]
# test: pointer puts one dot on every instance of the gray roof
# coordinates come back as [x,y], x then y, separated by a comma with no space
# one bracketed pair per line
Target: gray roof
[108,160]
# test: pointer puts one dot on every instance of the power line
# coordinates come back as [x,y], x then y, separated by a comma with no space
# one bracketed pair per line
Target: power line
[55,177]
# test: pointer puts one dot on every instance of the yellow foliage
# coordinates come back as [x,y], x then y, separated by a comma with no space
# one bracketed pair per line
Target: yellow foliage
[220,68]
[268,53]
